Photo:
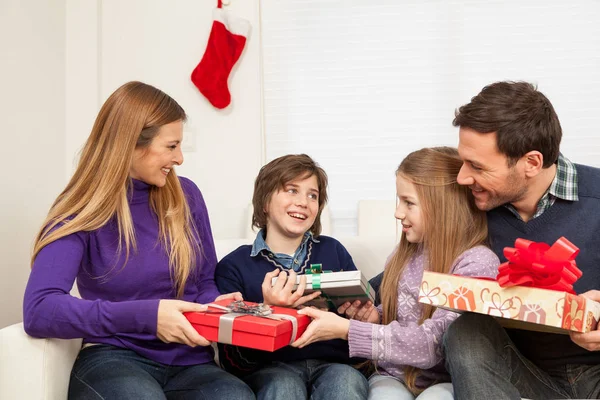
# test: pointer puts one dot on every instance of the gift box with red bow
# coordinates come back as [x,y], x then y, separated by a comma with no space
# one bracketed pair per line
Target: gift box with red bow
[247,324]
[533,290]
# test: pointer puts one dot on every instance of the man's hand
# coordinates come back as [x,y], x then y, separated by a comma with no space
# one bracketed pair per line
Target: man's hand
[325,326]
[591,340]
[282,294]
[362,312]
[173,326]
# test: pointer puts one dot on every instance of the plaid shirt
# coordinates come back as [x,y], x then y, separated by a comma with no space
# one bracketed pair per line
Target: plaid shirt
[564,186]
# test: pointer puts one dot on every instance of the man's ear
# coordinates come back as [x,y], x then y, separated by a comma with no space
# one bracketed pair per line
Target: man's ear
[533,163]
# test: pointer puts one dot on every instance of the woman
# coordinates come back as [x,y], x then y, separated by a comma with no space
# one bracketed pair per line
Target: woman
[137,238]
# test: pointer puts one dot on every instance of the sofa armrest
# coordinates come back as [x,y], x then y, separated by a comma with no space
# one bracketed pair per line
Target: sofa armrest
[33,368]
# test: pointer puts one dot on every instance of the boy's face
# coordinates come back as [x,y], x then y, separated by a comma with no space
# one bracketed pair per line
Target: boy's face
[291,211]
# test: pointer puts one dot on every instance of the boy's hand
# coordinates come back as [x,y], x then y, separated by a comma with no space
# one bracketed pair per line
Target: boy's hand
[282,294]
[235,296]
[591,340]
[362,312]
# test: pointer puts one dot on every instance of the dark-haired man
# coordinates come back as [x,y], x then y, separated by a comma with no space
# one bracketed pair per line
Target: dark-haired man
[509,139]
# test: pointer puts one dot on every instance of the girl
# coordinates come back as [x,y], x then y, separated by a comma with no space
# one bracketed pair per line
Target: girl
[443,232]
[137,238]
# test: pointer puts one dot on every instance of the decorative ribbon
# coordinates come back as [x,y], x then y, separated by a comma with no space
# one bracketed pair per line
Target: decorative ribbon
[241,309]
[540,265]
[315,271]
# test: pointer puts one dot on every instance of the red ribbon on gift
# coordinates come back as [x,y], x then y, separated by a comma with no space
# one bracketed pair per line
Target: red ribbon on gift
[540,265]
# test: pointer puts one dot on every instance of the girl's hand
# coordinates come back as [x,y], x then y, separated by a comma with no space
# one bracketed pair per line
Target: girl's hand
[282,294]
[325,326]
[361,312]
[235,296]
[173,326]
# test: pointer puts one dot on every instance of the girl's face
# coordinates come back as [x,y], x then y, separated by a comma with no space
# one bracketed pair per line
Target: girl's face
[409,211]
[153,163]
[292,210]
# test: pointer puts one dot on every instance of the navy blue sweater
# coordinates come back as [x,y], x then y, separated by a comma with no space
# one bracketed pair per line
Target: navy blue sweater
[579,222]
[239,272]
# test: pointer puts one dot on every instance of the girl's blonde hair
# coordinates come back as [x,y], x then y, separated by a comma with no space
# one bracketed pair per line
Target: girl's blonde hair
[452,225]
[98,191]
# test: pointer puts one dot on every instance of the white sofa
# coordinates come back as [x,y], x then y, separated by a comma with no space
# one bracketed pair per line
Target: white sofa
[39,368]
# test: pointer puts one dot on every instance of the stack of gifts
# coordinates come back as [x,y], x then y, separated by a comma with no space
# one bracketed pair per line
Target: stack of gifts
[247,324]
[533,290]
[336,287]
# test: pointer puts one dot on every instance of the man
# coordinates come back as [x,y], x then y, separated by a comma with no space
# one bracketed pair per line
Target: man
[509,139]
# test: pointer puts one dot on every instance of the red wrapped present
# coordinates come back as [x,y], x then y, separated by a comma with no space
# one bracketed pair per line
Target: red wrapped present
[247,324]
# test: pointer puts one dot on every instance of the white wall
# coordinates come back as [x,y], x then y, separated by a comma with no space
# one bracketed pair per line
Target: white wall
[32,82]
[110,42]
[63,58]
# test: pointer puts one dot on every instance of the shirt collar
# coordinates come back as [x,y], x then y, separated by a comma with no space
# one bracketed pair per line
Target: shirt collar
[564,185]
[260,244]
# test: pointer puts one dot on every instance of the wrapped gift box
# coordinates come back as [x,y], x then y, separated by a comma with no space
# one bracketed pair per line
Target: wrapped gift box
[336,288]
[519,307]
[267,332]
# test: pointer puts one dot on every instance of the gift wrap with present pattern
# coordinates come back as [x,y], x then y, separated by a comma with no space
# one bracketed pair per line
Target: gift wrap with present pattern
[518,307]
[336,288]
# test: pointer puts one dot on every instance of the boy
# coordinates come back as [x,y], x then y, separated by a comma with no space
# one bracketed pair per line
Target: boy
[289,195]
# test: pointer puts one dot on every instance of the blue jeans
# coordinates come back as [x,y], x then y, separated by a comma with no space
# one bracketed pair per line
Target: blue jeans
[305,379]
[109,372]
[383,387]
[485,364]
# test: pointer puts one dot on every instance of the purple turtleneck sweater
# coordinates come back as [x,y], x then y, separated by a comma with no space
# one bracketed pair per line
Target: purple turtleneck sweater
[119,303]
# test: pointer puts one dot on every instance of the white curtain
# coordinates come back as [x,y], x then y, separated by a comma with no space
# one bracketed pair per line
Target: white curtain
[358,84]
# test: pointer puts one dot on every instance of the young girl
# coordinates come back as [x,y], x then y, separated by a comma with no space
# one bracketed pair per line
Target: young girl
[289,195]
[443,232]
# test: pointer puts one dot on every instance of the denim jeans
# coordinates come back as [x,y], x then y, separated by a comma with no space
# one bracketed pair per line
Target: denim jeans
[383,387]
[314,379]
[109,372]
[485,364]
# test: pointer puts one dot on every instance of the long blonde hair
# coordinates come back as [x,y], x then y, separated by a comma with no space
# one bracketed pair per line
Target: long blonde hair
[130,118]
[452,225]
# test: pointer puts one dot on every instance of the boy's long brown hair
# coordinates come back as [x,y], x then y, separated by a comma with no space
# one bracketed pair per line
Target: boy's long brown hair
[452,225]
[130,118]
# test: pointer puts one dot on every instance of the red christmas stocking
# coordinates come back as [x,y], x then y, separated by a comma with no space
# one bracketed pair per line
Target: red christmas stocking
[225,45]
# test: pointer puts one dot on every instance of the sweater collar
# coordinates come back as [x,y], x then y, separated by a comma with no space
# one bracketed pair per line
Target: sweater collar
[139,192]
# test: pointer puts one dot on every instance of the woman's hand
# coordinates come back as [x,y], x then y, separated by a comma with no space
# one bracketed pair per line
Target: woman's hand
[361,312]
[325,326]
[282,294]
[173,326]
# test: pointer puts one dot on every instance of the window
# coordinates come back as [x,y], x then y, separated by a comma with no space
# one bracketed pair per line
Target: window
[358,84]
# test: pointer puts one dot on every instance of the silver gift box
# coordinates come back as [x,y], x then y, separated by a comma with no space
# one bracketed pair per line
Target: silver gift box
[336,288]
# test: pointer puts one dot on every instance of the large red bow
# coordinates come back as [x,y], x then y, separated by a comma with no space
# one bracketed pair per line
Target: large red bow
[539,265]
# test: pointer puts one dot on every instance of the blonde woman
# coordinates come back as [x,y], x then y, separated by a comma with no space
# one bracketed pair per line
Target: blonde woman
[137,238]
[443,232]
